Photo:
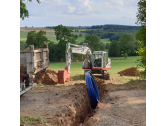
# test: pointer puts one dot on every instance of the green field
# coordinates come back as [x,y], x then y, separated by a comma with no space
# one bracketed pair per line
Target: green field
[51,37]
[116,65]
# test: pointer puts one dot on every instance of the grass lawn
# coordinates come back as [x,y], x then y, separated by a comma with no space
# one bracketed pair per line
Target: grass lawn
[104,41]
[116,65]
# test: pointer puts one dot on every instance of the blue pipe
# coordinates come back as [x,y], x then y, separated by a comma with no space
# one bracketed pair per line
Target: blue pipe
[92,89]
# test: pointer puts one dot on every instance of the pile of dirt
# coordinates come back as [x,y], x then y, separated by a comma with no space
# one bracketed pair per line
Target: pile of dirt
[48,77]
[129,72]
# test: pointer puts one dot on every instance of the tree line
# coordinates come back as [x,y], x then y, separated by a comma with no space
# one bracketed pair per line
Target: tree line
[125,46]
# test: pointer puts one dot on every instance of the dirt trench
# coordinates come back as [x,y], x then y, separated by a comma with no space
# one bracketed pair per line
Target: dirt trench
[59,105]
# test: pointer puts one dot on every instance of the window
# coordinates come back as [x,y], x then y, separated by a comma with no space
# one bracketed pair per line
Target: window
[97,60]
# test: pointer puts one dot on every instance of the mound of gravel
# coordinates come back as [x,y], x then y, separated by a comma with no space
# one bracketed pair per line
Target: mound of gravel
[129,72]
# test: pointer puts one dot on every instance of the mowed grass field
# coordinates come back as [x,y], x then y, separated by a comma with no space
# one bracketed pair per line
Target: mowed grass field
[50,34]
[117,64]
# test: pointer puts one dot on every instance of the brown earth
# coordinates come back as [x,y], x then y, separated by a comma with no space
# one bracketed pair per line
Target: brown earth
[68,104]
[129,72]
[48,77]
[121,108]
[64,105]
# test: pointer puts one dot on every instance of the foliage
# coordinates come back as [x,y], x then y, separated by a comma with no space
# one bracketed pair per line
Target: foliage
[80,35]
[63,35]
[53,51]
[31,38]
[141,35]
[114,49]
[94,42]
[126,43]
[107,45]
[37,39]
[141,15]
[116,36]
[22,45]
[23,10]
[41,39]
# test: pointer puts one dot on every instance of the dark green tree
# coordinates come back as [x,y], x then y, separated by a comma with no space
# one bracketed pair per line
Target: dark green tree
[93,42]
[107,45]
[41,39]
[38,39]
[126,44]
[31,38]
[63,35]
[53,51]
[114,49]
[80,35]
[22,45]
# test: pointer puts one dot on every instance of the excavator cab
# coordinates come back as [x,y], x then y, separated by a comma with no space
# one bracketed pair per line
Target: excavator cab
[97,60]
[100,59]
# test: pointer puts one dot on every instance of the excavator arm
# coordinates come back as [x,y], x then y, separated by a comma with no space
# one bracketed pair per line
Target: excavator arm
[80,49]
[70,49]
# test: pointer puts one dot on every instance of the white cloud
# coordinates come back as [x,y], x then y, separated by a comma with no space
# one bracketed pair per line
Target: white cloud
[82,11]
[71,9]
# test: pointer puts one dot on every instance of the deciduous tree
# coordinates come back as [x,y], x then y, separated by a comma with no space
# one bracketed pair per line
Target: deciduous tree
[38,39]
[126,44]
[63,35]
[23,10]
[93,42]
[114,49]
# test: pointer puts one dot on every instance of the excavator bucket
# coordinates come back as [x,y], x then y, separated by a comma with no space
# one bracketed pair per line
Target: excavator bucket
[63,75]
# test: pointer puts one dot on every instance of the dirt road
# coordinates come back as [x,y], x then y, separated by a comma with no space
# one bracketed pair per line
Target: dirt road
[122,108]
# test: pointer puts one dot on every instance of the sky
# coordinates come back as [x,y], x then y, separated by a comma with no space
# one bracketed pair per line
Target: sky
[80,13]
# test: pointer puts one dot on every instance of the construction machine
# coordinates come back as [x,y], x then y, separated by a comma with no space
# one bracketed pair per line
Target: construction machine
[32,61]
[96,63]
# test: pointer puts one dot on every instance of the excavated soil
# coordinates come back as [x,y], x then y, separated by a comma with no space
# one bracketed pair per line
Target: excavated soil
[129,72]
[101,86]
[61,105]
[48,77]
[68,104]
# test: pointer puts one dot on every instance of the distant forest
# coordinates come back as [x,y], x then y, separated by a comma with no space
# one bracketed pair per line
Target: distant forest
[112,32]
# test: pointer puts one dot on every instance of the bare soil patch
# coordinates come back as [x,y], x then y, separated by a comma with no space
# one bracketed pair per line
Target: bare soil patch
[121,108]
[68,104]
[62,105]
[129,72]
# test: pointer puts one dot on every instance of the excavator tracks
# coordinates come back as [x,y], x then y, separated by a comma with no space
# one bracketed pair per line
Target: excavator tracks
[106,75]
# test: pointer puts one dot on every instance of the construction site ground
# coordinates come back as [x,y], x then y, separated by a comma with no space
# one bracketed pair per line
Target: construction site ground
[122,104]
